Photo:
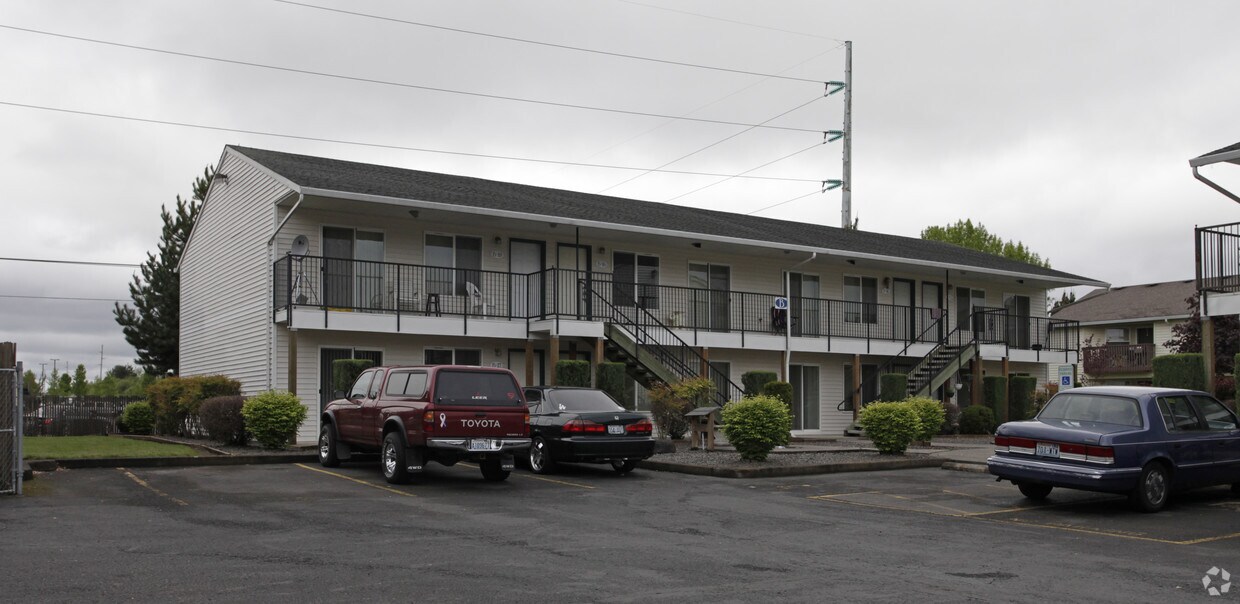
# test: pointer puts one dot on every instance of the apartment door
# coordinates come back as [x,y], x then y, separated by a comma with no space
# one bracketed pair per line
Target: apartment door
[904,319]
[574,279]
[352,268]
[711,295]
[932,297]
[516,363]
[327,356]
[1017,319]
[805,400]
[525,261]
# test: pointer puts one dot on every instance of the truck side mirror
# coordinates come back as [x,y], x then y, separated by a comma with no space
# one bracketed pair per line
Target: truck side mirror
[338,394]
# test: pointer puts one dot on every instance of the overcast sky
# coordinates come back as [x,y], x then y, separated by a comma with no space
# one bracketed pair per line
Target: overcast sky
[1066,125]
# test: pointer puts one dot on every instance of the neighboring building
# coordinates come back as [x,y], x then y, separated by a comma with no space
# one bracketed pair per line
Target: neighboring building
[1217,258]
[409,267]
[1124,328]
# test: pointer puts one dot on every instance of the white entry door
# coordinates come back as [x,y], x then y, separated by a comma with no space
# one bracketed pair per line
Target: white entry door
[526,258]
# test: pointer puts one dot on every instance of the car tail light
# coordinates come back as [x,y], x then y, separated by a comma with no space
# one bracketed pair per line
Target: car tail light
[428,421]
[1104,455]
[581,426]
[642,427]
[1002,443]
[527,420]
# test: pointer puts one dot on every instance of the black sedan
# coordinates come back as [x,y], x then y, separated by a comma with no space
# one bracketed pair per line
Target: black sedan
[1142,442]
[584,425]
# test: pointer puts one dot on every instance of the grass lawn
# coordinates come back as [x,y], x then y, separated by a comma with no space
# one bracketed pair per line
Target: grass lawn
[91,447]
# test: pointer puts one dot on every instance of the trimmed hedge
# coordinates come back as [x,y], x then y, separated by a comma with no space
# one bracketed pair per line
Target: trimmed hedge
[977,419]
[1186,370]
[273,417]
[892,387]
[1021,405]
[757,424]
[345,372]
[611,380]
[139,417]
[175,400]
[891,426]
[994,393]
[930,414]
[779,390]
[221,418]
[572,373]
[754,382]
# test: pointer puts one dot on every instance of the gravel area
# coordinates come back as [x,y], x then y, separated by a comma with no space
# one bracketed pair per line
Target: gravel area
[732,459]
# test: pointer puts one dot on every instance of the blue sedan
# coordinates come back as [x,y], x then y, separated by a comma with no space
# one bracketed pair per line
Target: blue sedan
[1142,442]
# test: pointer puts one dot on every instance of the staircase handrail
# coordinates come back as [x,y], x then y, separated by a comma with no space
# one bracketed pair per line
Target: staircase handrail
[891,361]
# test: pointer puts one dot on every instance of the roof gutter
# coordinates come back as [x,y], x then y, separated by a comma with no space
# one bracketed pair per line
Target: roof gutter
[1215,186]
[300,197]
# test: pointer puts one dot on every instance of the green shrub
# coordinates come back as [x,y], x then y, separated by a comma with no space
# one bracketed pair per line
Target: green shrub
[1186,370]
[754,381]
[611,380]
[221,418]
[757,424]
[994,392]
[1021,405]
[891,426]
[572,373]
[273,417]
[345,372]
[892,387]
[779,390]
[668,411]
[977,419]
[930,414]
[175,400]
[697,392]
[139,417]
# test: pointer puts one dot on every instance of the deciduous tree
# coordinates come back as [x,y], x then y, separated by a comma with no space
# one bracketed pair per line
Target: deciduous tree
[1187,336]
[975,237]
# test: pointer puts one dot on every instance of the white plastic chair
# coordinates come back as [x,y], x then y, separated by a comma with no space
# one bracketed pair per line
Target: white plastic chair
[477,302]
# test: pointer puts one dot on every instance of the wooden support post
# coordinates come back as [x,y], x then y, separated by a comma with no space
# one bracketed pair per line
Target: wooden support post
[976,397]
[8,356]
[1208,352]
[1007,395]
[856,380]
[705,369]
[529,362]
[291,386]
[555,358]
[598,361]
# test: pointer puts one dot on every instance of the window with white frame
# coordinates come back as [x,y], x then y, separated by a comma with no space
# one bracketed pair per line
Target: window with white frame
[1117,335]
[861,298]
[458,259]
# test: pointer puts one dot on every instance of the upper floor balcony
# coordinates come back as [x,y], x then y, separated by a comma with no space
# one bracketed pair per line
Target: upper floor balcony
[332,293]
[1113,359]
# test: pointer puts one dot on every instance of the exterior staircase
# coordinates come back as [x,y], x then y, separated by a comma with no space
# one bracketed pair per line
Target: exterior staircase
[941,363]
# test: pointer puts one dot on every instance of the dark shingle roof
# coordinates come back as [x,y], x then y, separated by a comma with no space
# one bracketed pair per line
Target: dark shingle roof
[401,183]
[1235,147]
[1130,302]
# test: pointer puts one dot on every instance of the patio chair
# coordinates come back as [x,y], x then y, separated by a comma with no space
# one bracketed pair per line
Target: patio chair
[477,302]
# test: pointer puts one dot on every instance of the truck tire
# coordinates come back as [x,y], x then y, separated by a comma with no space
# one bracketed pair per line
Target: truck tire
[392,459]
[327,446]
[493,470]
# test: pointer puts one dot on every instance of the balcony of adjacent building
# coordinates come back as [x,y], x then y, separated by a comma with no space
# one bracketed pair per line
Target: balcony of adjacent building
[312,292]
[1218,269]
[1110,360]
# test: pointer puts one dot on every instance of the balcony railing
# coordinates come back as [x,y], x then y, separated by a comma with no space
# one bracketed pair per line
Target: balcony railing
[1118,358]
[409,289]
[1218,258]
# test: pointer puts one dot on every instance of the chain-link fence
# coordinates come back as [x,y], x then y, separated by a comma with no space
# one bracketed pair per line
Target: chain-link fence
[10,432]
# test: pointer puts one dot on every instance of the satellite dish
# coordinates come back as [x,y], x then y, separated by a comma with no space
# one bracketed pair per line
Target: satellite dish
[301,245]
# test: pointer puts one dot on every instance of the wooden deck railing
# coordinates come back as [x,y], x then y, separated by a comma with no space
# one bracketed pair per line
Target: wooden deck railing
[1118,358]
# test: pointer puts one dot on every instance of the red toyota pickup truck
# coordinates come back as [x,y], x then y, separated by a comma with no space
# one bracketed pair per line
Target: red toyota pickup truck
[413,415]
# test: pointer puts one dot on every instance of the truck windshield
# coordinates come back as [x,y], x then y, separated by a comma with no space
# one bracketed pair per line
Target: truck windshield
[477,388]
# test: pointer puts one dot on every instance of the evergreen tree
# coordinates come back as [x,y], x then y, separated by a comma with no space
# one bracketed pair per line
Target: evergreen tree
[32,384]
[79,381]
[975,237]
[153,325]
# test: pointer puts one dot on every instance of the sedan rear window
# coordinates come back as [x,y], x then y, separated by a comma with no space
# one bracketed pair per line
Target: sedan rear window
[582,400]
[477,388]
[1093,408]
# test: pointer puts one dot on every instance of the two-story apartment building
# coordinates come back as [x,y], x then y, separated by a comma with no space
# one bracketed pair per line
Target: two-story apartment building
[297,261]
[1124,328]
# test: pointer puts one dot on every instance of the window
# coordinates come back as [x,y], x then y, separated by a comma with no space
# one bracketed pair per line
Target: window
[636,280]
[1117,335]
[449,356]
[459,261]
[375,385]
[1089,408]
[1145,335]
[407,383]
[1178,414]
[362,386]
[861,297]
[1217,416]
[969,300]
[477,388]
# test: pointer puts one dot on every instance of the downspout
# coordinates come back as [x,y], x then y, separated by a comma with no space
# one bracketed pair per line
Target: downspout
[788,316]
[300,197]
[1215,186]
[271,259]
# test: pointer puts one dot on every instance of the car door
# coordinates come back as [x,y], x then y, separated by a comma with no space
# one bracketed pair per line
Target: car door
[349,415]
[368,412]
[1188,438]
[1223,447]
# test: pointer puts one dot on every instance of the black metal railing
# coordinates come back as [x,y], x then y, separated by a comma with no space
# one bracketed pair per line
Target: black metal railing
[890,364]
[1218,258]
[657,340]
[1001,326]
[72,416]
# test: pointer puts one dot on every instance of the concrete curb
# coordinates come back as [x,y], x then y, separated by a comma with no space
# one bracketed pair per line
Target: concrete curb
[962,466]
[777,471]
[172,462]
[168,441]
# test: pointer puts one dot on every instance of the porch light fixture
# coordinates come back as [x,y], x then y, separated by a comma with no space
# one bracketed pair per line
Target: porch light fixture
[498,240]
[697,244]
[413,213]
[853,262]
[602,250]
[886,282]
[1020,281]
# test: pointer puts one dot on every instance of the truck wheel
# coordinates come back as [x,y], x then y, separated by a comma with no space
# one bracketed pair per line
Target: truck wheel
[327,447]
[493,470]
[623,466]
[393,459]
[1036,492]
[1152,488]
[540,457]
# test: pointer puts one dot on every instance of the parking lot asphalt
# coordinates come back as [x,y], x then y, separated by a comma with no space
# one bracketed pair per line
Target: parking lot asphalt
[299,532]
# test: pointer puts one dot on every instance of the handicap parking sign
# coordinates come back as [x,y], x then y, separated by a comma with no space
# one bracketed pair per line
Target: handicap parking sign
[1066,375]
[1065,380]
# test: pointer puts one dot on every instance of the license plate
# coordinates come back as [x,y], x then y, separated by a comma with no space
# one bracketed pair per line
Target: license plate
[1048,450]
[480,444]
[615,429]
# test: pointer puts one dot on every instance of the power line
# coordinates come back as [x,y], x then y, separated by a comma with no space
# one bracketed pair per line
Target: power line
[382,146]
[716,143]
[392,83]
[774,161]
[62,298]
[547,44]
[714,18]
[81,262]
[783,202]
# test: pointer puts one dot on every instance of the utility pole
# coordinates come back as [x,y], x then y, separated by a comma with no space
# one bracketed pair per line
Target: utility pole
[846,198]
[101,362]
[54,365]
